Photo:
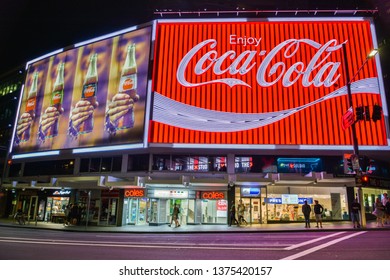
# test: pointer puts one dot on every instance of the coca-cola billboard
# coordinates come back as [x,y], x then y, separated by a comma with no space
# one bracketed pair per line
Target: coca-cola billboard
[74,99]
[276,82]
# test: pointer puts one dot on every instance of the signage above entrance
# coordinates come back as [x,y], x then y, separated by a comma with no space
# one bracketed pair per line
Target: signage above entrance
[213,195]
[170,194]
[62,192]
[135,192]
[250,192]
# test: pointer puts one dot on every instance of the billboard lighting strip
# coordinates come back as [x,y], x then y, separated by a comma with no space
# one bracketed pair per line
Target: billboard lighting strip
[105,36]
[43,56]
[39,154]
[106,149]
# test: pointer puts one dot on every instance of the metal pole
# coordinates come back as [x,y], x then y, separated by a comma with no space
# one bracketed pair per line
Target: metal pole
[354,140]
[88,206]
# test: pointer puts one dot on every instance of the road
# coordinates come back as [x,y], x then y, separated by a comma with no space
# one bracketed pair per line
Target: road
[27,244]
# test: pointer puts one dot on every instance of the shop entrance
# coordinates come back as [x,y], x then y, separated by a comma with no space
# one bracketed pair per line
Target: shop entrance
[136,211]
[252,212]
[108,211]
[161,211]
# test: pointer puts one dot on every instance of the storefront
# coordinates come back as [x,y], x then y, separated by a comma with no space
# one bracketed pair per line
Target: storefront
[52,208]
[107,208]
[135,207]
[27,202]
[370,195]
[213,207]
[253,200]
[162,201]
[284,203]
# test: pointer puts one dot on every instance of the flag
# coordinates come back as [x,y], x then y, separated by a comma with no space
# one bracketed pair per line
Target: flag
[348,119]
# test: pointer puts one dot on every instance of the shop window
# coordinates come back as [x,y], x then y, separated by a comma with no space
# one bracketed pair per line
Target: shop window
[54,167]
[106,164]
[161,162]
[15,170]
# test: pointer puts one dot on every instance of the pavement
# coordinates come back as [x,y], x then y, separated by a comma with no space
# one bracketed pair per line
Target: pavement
[280,227]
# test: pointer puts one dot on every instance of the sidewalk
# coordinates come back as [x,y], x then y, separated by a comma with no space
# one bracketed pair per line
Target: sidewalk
[284,227]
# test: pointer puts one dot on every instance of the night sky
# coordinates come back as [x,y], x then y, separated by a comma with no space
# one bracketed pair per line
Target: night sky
[30,29]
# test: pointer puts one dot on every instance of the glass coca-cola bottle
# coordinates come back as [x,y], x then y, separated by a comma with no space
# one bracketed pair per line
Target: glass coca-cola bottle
[90,87]
[57,98]
[128,85]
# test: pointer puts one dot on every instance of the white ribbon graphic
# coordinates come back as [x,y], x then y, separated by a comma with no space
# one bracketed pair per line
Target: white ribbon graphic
[171,112]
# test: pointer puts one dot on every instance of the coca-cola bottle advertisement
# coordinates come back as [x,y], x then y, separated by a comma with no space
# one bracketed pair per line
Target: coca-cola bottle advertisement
[70,99]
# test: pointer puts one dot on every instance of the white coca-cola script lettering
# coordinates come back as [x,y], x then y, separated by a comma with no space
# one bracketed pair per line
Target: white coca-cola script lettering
[325,75]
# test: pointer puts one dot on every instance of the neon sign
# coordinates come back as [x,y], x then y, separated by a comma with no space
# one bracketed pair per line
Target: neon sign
[134,192]
[213,195]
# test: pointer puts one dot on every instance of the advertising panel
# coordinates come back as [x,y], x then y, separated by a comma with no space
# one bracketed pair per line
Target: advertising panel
[91,95]
[269,82]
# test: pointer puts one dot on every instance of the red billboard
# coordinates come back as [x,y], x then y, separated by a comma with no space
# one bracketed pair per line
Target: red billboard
[271,82]
[91,95]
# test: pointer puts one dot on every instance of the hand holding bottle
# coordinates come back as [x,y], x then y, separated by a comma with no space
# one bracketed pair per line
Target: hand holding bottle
[119,106]
[24,124]
[81,112]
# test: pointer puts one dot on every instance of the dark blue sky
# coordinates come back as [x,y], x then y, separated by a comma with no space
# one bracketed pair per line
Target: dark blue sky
[29,29]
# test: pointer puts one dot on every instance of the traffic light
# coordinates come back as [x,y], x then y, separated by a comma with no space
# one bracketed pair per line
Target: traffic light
[377,113]
[359,113]
[365,180]
[348,167]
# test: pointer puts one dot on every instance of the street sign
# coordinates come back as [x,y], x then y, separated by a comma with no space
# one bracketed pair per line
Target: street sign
[355,162]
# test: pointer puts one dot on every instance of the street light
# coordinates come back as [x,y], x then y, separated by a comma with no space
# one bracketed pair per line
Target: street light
[353,128]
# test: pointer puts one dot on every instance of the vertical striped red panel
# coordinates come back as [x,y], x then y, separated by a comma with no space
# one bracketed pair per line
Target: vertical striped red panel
[319,124]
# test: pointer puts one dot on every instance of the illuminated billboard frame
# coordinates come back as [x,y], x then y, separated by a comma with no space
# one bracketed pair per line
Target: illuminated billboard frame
[226,81]
[91,97]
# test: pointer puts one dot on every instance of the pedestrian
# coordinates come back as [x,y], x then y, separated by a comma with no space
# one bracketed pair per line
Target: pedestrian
[379,212]
[355,209]
[318,210]
[175,215]
[387,211]
[67,212]
[241,212]
[232,217]
[385,199]
[306,210]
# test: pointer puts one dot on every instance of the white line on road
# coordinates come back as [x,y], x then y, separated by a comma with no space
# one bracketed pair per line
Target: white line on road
[322,246]
[313,240]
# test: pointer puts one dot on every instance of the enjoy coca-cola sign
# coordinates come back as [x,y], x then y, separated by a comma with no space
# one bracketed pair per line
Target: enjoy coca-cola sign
[241,63]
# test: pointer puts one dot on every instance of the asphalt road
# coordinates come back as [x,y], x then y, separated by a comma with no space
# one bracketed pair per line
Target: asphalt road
[27,244]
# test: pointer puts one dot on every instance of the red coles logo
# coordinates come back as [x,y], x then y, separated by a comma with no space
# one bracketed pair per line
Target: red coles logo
[134,193]
[213,195]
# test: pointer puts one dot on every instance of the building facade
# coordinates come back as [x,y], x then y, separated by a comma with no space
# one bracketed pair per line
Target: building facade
[204,114]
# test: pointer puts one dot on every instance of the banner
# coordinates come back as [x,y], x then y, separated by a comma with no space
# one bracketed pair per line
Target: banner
[91,95]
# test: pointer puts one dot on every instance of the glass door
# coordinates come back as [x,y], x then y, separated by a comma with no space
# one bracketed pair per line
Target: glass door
[108,209]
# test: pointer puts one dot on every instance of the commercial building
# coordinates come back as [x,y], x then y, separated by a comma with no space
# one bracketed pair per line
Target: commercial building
[201,113]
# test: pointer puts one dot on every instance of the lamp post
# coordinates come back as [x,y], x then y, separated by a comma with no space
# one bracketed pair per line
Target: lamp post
[353,129]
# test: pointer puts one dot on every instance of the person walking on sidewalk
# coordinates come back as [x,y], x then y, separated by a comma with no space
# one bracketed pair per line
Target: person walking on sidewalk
[232,217]
[355,209]
[175,215]
[318,210]
[241,212]
[306,210]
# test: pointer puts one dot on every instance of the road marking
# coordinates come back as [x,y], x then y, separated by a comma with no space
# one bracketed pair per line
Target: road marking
[172,246]
[322,246]
[313,240]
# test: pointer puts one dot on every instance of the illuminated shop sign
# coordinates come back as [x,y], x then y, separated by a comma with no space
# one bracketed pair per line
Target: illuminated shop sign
[135,192]
[289,199]
[71,99]
[170,194]
[62,193]
[250,192]
[279,200]
[299,165]
[272,82]
[213,195]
